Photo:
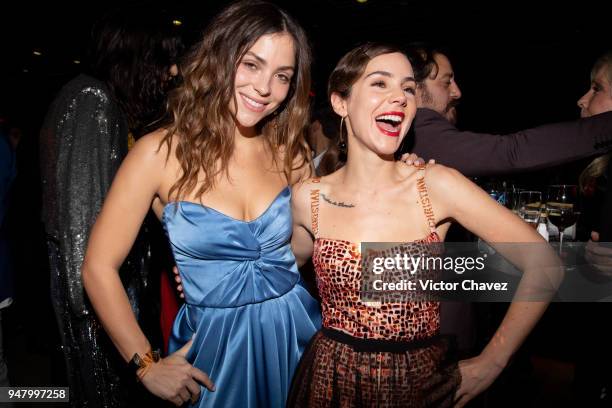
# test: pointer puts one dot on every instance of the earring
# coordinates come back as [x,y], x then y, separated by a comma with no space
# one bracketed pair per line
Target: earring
[341,141]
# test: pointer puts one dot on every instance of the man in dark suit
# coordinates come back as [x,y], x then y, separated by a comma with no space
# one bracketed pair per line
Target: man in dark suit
[436,137]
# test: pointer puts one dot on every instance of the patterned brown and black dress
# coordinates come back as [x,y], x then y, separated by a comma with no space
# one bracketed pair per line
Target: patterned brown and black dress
[372,355]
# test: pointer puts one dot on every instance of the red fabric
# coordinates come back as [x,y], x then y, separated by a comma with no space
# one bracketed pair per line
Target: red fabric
[169,306]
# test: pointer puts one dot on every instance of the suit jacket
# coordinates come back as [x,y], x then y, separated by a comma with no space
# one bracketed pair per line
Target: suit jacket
[480,154]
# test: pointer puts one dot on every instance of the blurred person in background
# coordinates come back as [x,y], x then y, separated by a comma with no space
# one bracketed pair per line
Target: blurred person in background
[593,377]
[85,136]
[595,179]
[322,137]
[482,154]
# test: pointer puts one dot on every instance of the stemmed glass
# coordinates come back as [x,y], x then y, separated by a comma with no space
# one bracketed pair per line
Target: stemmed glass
[529,203]
[560,207]
[514,204]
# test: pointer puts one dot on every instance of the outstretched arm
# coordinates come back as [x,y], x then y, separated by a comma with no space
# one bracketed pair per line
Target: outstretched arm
[478,154]
[460,199]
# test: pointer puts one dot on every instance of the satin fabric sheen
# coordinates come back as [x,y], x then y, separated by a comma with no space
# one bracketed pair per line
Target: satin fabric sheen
[248,313]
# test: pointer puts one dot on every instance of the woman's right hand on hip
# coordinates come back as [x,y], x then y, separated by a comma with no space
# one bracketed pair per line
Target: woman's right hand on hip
[175,380]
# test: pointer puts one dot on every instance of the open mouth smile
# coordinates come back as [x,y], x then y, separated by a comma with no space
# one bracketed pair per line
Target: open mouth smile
[389,123]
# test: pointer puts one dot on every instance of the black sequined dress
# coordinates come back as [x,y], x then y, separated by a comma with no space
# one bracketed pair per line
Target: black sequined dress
[84,138]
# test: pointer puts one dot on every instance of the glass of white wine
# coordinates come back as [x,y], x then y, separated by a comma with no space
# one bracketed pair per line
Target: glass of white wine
[529,203]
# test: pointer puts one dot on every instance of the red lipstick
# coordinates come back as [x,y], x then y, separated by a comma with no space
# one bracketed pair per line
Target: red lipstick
[389,123]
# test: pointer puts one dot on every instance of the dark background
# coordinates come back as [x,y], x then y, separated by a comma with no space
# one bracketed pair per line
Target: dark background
[518,64]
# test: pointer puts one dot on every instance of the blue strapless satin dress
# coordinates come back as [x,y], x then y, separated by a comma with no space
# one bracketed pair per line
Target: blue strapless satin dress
[244,301]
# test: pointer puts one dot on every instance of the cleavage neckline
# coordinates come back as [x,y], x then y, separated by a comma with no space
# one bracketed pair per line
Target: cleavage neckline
[221,213]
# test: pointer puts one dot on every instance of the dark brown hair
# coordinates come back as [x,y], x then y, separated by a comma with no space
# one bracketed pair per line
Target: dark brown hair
[353,64]
[132,49]
[200,107]
[348,70]
[422,58]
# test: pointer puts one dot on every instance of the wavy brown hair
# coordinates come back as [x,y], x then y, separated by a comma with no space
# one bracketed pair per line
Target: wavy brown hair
[348,70]
[200,107]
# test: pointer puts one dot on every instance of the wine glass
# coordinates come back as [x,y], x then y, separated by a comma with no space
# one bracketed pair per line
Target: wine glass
[561,215]
[529,203]
[562,193]
[560,205]
[513,197]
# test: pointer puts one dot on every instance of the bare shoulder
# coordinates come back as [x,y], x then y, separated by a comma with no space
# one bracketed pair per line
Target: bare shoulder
[406,172]
[152,143]
[154,149]
[451,191]
[302,190]
[302,170]
[302,167]
[443,179]
[148,158]
[302,194]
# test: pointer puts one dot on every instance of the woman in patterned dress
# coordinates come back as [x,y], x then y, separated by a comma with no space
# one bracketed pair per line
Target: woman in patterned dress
[390,354]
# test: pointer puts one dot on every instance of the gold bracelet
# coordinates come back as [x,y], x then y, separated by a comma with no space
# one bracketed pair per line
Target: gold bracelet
[143,364]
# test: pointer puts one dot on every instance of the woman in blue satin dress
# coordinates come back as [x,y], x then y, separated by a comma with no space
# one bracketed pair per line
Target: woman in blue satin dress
[219,176]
